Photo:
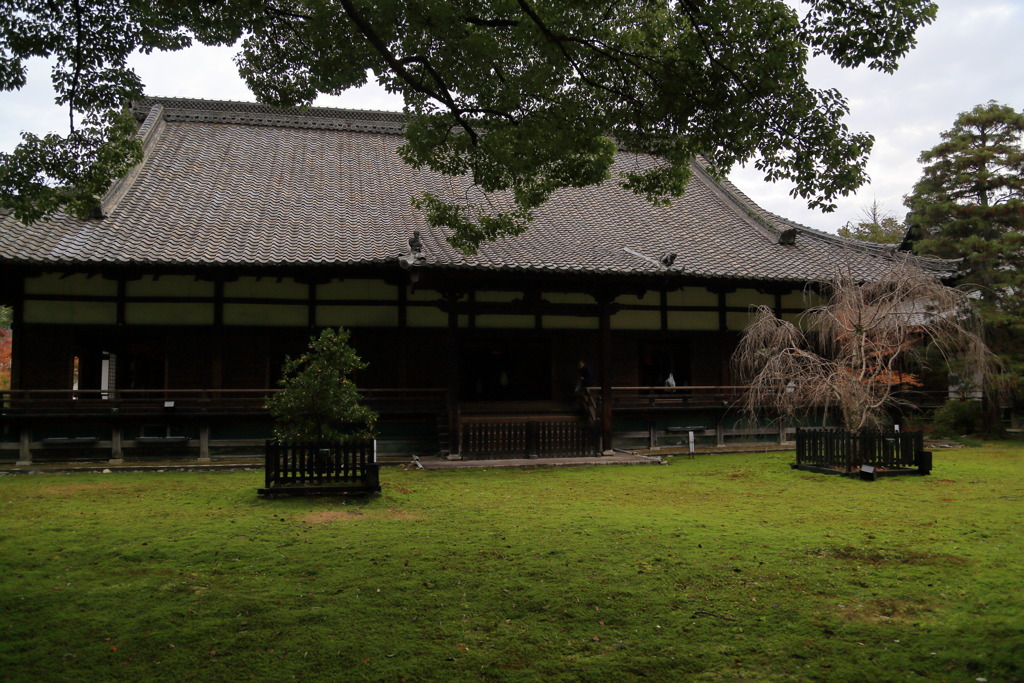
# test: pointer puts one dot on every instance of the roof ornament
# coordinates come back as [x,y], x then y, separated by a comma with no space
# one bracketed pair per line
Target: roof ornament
[415,257]
[668,258]
[787,238]
[415,243]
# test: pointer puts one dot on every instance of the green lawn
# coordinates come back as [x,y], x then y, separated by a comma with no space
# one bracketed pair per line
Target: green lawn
[721,568]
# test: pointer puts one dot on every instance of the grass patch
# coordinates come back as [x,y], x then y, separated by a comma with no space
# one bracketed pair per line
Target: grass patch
[720,568]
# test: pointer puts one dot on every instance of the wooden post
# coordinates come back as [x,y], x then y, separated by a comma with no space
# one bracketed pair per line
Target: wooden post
[217,338]
[204,443]
[606,377]
[116,445]
[403,334]
[453,375]
[720,429]
[24,450]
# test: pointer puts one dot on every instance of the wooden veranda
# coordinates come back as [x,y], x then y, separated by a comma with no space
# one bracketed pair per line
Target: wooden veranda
[204,423]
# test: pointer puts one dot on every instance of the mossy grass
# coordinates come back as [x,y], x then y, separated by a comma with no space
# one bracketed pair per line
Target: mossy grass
[720,568]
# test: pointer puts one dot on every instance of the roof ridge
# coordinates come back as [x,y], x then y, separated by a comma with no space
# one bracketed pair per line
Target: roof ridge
[149,133]
[750,211]
[256,113]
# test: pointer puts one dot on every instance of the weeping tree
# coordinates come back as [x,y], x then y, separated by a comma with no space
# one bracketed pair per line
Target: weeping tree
[318,401]
[855,352]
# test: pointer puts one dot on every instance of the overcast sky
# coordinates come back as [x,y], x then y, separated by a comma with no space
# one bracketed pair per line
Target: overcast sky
[973,53]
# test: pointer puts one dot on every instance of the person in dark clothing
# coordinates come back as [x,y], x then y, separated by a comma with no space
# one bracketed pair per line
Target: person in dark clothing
[586,377]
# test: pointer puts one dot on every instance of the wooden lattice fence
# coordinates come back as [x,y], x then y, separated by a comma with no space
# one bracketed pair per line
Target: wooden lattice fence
[869,452]
[527,438]
[349,467]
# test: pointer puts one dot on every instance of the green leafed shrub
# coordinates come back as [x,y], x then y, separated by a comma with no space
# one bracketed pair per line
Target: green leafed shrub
[956,418]
[318,400]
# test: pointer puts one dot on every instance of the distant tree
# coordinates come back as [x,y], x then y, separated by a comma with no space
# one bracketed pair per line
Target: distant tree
[969,205]
[876,224]
[318,400]
[524,97]
[856,351]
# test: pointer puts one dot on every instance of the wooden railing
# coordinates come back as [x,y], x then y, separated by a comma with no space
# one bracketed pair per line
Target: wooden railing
[724,396]
[553,437]
[44,402]
[392,400]
[350,467]
[639,398]
[849,451]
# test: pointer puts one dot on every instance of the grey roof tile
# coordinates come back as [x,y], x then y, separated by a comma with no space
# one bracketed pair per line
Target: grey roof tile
[227,183]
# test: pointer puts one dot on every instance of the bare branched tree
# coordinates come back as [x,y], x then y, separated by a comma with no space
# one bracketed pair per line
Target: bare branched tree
[853,352]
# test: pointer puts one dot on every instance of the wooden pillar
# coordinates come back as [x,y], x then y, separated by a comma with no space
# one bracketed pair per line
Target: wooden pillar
[453,374]
[24,450]
[606,376]
[122,301]
[663,305]
[116,445]
[311,305]
[403,334]
[720,429]
[217,345]
[204,443]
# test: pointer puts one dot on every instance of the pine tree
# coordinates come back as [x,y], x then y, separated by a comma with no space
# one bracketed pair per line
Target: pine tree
[318,401]
[969,205]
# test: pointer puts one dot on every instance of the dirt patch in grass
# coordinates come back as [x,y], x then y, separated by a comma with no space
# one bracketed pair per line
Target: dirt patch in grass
[64,490]
[331,516]
[884,610]
[886,555]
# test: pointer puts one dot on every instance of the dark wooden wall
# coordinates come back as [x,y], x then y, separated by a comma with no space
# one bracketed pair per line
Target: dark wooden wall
[251,358]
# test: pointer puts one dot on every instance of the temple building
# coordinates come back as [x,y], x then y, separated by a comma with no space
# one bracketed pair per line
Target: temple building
[163,324]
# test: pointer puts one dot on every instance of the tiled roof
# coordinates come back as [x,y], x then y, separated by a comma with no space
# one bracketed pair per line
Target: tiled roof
[227,183]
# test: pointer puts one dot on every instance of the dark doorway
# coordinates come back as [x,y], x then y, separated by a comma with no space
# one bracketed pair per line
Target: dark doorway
[659,359]
[506,370]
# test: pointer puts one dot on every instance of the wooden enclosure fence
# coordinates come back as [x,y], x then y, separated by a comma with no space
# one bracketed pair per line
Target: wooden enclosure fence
[846,451]
[349,467]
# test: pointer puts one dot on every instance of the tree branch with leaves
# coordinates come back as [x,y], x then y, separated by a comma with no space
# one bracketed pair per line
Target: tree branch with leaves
[523,97]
